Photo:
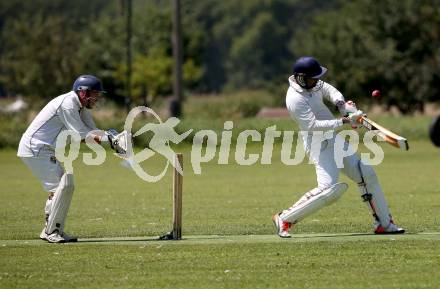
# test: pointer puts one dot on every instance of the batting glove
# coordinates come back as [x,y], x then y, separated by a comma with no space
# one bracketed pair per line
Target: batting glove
[354,117]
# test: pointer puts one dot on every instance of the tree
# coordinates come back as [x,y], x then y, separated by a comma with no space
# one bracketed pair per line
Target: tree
[393,47]
[227,44]
[34,61]
[41,51]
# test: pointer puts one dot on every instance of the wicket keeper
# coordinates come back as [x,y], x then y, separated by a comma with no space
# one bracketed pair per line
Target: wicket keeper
[68,111]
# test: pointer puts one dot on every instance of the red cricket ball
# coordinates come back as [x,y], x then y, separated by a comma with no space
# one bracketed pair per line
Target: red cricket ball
[375,93]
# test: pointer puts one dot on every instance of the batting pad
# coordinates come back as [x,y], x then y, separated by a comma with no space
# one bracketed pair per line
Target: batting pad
[314,203]
[60,204]
[372,194]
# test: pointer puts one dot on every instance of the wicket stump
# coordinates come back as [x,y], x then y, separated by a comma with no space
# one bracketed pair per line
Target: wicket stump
[176,233]
[177,197]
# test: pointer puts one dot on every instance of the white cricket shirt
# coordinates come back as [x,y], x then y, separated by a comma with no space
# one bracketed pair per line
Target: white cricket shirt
[61,113]
[307,108]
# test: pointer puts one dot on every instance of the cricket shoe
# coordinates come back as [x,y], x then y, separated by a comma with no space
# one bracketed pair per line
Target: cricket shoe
[56,237]
[43,235]
[281,226]
[391,229]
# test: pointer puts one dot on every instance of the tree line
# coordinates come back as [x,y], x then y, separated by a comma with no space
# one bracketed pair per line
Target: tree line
[228,45]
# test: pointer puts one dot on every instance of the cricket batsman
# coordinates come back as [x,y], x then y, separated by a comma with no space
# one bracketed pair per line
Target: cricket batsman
[304,101]
[68,111]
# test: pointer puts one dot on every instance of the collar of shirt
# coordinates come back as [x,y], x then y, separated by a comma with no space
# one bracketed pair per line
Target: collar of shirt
[77,99]
[295,85]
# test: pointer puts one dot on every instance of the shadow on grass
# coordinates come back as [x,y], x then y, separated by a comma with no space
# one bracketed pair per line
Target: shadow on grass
[214,237]
[147,239]
[334,235]
[122,240]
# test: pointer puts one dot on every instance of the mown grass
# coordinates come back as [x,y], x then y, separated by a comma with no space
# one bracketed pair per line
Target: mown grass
[111,200]
[387,264]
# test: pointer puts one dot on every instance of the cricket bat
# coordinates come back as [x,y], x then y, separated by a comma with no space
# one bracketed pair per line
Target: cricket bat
[387,135]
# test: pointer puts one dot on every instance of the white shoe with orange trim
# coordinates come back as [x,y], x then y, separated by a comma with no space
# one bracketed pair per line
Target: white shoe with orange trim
[391,229]
[281,226]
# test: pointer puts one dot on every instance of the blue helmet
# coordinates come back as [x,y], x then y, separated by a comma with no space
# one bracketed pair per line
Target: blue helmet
[308,67]
[88,82]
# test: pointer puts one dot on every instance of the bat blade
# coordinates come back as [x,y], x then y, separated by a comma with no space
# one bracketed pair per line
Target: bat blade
[387,135]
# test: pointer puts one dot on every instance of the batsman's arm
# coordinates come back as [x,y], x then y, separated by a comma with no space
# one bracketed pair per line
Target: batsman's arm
[301,111]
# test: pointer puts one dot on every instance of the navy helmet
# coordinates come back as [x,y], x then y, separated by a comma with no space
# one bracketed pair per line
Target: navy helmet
[88,82]
[308,67]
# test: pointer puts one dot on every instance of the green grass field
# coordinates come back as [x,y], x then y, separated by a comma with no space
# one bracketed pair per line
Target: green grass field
[229,239]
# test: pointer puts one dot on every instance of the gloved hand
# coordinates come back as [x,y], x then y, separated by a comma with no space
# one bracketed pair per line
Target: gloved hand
[346,107]
[112,135]
[341,107]
[350,107]
[354,116]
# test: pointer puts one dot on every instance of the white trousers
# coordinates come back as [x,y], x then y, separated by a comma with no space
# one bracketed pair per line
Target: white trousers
[47,169]
[327,172]
[327,175]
